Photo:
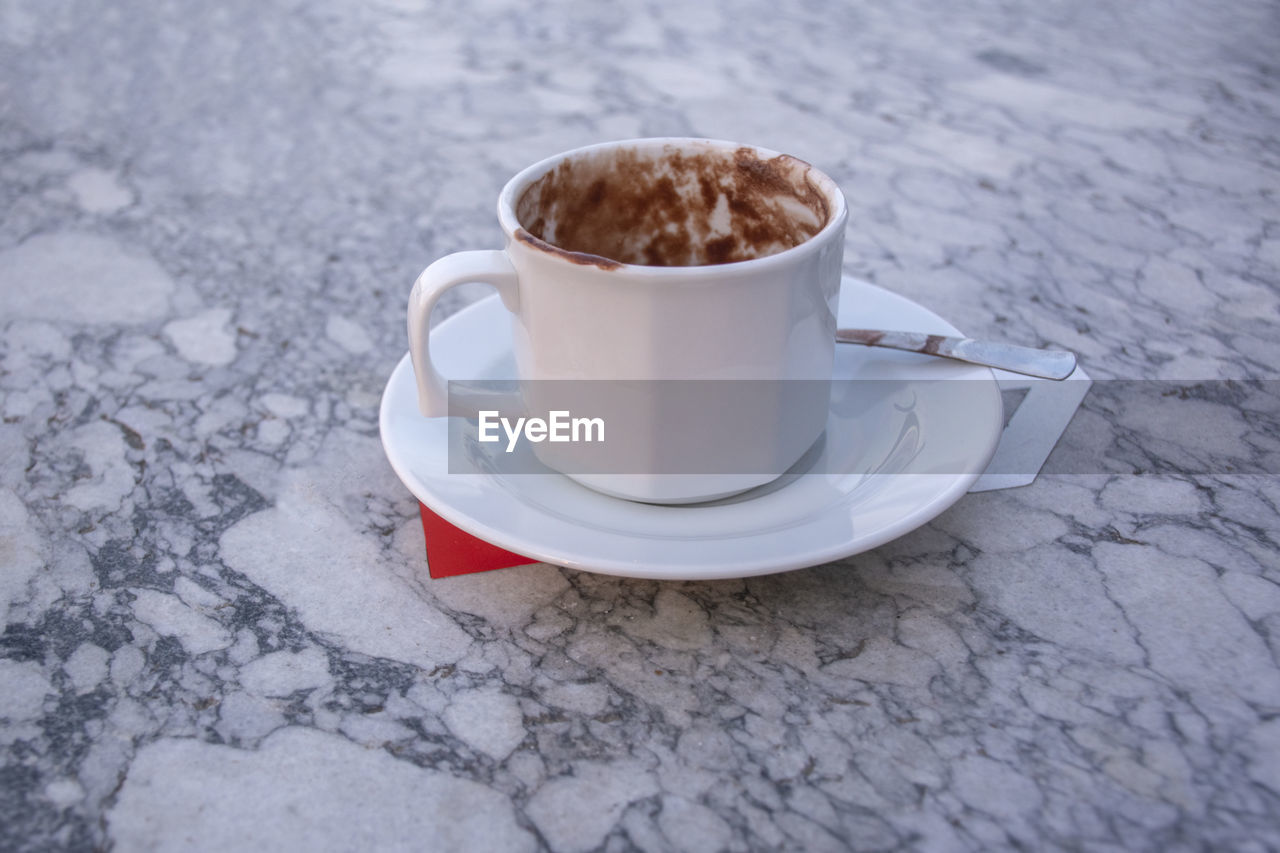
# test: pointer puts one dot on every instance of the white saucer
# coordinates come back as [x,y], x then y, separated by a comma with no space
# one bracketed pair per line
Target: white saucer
[891,463]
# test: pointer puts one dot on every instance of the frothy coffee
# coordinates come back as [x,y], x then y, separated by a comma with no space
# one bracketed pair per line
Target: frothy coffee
[670,207]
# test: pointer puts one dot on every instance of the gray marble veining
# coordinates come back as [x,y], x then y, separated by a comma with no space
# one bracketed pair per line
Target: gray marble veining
[219,632]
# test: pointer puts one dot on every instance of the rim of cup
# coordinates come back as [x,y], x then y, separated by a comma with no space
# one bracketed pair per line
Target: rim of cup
[513,189]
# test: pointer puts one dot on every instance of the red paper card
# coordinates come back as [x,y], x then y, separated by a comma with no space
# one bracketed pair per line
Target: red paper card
[451,551]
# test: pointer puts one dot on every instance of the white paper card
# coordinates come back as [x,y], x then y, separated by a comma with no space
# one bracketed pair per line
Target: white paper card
[1034,430]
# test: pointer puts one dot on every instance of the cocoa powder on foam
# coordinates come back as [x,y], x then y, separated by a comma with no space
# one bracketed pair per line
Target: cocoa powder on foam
[675,209]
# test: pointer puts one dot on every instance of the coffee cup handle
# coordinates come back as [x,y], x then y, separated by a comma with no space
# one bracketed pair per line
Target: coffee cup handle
[490,267]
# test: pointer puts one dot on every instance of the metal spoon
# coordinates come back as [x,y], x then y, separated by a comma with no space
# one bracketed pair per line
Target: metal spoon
[1044,363]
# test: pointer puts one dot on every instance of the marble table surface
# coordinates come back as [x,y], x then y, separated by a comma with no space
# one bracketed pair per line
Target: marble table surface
[219,632]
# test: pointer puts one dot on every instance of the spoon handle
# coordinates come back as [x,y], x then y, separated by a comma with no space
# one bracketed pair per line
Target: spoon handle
[1044,363]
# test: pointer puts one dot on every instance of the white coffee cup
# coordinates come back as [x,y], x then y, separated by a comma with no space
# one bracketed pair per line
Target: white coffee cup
[655,260]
